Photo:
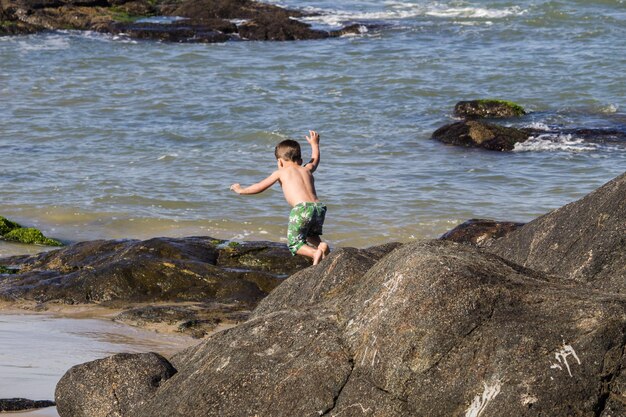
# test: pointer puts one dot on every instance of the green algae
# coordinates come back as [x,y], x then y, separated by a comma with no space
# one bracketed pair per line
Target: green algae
[515,108]
[7,225]
[30,235]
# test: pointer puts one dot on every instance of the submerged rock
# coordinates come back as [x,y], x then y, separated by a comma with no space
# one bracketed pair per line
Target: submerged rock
[480,109]
[480,134]
[480,232]
[21,404]
[113,386]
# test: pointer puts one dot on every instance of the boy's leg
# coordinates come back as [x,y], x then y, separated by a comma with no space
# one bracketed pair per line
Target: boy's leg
[316,254]
[316,241]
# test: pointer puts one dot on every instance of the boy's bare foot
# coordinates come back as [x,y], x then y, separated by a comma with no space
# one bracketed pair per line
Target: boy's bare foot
[319,253]
[325,249]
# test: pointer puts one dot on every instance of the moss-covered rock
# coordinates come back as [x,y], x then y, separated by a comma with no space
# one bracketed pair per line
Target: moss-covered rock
[7,225]
[488,108]
[30,235]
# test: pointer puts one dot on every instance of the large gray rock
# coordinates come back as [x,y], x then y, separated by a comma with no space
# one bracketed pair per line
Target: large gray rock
[432,329]
[584,241]
[111,387]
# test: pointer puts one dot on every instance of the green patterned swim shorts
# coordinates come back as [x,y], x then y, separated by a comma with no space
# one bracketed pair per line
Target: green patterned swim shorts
[305,220]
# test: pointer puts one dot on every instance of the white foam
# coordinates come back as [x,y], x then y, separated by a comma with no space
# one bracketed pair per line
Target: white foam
[550,142]
[52,42]
[538,126]
[400,10]
[610,109]
[476,12]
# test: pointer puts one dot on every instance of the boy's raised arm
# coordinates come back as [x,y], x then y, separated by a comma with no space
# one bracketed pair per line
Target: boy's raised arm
[259,187]
[314,141]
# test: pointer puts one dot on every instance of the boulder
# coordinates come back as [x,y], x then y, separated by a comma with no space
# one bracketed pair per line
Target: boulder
[584,242]
[480,232]
[111,387]
[433,328]
[21,404]
[480,109]
[474,133]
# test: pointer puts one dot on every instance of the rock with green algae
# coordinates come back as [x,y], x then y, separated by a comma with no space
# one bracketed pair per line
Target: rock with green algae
[488,108]
[7,225]
[30,235]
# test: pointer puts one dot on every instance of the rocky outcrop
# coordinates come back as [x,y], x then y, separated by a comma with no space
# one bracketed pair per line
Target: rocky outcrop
[474,133]
[489,108]
[480,232]
[217,280]
[432,328]
[21,404]
[584,241]
[206,21]
[113,386]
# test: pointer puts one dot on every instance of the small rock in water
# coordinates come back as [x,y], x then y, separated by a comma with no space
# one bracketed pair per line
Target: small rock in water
[20,404]
[478,109]
[480,134]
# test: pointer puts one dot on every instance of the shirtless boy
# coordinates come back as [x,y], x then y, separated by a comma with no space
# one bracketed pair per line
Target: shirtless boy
[307,215]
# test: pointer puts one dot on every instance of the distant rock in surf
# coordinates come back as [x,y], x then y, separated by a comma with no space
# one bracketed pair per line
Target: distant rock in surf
[480,134]
[206,21]
[488,109]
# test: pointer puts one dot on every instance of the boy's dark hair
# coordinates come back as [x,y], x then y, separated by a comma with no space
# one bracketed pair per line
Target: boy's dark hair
[288,150]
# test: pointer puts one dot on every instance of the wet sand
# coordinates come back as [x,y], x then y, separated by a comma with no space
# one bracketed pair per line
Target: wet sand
[36,349]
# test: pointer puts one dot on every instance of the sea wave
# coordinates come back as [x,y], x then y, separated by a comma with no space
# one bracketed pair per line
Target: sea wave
[555,142]
[400,11]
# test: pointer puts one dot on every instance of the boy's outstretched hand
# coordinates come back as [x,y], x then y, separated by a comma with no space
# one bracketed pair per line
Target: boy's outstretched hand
[314,138]
[236,188]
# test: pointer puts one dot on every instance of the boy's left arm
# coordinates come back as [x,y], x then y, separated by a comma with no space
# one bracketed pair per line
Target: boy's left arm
[314,141]
[257,188]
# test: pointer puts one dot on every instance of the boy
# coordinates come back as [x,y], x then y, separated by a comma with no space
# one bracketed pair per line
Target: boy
[307,215]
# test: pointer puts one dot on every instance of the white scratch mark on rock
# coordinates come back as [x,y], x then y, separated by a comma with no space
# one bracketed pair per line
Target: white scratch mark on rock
[480,401]
[363,409]
[223,365]
[562,355]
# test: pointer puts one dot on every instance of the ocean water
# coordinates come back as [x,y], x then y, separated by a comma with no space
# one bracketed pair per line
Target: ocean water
[105,137]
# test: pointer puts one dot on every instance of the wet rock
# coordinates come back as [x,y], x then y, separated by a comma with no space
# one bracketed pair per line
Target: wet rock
[480,232]
[584,241]
[198,32]
[271,28]
[21,404]
[196,320]
[14,232]
[480,109]
[480,134]
[208,21]
[113,386]
[208,273]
